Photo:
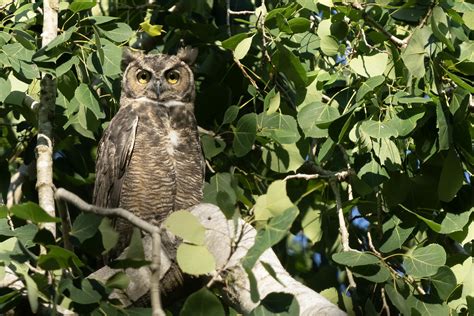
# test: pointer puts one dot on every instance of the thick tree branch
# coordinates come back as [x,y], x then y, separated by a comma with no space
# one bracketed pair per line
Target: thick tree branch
[44,146]
[229,242]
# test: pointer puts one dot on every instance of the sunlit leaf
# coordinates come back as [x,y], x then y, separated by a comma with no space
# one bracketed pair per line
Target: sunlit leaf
[195,259]
[424,261]
[186,225]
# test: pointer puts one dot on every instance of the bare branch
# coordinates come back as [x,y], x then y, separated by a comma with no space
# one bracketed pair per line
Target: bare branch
[342,227]
[244,12]
[44,147]
[245,73]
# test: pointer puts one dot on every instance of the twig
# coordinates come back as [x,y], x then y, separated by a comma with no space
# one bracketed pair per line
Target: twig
[6,5]
[244,12]
[384,302]
[399,42]
[154,231]
[321,173]
[65,223]
[15,192]
[371,245]
[245,73]
[342,228]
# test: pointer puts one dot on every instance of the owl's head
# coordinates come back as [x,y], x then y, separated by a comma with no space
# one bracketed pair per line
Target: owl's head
[163,79]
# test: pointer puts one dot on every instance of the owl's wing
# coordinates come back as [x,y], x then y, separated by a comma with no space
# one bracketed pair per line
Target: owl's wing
[113,156]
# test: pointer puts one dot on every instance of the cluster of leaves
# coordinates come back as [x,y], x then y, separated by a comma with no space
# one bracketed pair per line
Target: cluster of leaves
[295,87]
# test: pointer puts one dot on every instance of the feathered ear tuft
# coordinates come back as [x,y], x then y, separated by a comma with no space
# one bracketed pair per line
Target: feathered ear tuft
[129,55]
[187,54]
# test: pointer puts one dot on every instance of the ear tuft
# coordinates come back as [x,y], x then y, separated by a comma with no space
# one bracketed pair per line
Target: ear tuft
[129,55]
[187,54]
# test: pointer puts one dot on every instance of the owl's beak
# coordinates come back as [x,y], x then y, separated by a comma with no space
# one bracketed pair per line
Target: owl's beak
[157,87]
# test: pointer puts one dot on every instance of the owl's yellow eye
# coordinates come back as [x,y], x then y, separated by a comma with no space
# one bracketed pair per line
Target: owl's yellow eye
[172,76]
[143,76]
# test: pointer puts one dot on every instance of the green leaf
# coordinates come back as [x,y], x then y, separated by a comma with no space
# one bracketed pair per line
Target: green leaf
[414,54]
[232,42]
[81,5]
[117,32]
[282,158]
[354,258]
[242,48]
[85,226]
[424,308]
[444,281]
[451,178]
[84,295]
[119,280]
[18,51]
[186,225]
[454,222]
[135,250]
[202,303]
[5,88]
[439,25]
[269,235]
[369,66]
[299,25]
[283,304]
[314,116]
[195,259]
[58,258]
[212,146]
[230,114]
[274,203]
[60,39]
[329,45]
[396,238]
[272,102]
[109,235]
[431,224]
[424,261]
[83,98]
[32,212]
[152,30]
[112,59]
[377,273]
[220,191]
[281,128]
[66,66]
[311,224]
[290,65]
[373,173]
[32,290]
[244,134]
[369,86]
[468,18]
[397,299]
[377,129]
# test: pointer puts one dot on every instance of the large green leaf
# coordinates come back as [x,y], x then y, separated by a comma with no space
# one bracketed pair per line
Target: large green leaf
[377,129]
[32,212]
[274,203]
[85,226]
[283,304]
[186,226]
[414,54]
[316,115]
[329,45]
[202,303]
[354,258]
[195,259]
[451,178]
[242,48]
[290,65]
[424,261]
[281,128]
[220,191]
[368,86]
[269,235]
[85,99]
[244,134]
[444,281]
[454,222]
[282,158]
[58,258]
[369,66]
[117,32]
[81,5]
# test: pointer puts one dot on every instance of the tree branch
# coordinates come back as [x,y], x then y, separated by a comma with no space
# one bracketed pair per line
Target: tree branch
[64,195]
[44,146]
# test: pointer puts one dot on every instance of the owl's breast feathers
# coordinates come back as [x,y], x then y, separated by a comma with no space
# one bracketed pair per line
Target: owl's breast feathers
[150,161]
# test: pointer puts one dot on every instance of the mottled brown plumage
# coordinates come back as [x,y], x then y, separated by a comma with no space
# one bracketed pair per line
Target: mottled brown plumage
[149,159]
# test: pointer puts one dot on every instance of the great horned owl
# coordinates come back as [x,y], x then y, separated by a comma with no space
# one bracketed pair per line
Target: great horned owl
[149,159]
